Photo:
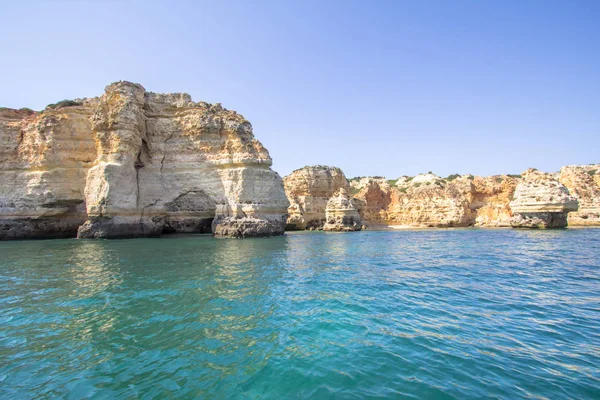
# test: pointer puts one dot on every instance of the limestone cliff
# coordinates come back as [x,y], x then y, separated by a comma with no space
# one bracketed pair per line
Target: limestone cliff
[583,181]
[540,201]
[373,197]
[427,200]
[341,214]
[308,190]
[133,163]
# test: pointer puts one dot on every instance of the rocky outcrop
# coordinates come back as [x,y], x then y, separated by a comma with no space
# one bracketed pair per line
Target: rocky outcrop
[44,160]
[583,182]
[133,163]
[540,201]
[489,198]
[373,197]
[341,214]
[427,200]
[308,190]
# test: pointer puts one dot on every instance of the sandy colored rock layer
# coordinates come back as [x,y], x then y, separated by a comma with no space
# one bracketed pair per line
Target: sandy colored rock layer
[133,163]
[341,214]
[541,201]
[308,190]
[428,200]
[583,182]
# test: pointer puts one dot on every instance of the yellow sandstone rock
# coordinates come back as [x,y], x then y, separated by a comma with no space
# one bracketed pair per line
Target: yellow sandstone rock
[134,163]
[583,181]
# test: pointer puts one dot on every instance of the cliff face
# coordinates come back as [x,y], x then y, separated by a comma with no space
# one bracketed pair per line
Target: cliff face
[533,199]
[308,190]
[422,201]
[430,201]
[373,197]
[340,213]
[44,160]
[133,163]
[540,201]
[583,181]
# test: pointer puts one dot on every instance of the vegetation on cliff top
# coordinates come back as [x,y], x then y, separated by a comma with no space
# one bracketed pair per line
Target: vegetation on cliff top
[452,177]
[64,103]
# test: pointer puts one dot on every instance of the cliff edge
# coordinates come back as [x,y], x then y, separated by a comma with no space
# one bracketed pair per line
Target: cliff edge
[132,163]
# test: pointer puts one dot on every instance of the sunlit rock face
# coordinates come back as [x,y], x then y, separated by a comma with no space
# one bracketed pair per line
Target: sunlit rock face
[489,200]
[341,214]
[583,182]
[541,201]
[308,190]
[44,160]
[373,197]
[133,163]
[427,200]
[430,201]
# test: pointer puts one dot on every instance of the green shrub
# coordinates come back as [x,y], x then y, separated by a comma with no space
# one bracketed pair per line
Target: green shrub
[451,177]
[514,175]
[391,182]
[498,180]
[417,184]
[403,190]
[64,103]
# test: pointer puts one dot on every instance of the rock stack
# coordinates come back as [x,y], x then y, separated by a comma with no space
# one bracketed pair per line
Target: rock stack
[308,190]
[133,163]
[341,214]
[540,201]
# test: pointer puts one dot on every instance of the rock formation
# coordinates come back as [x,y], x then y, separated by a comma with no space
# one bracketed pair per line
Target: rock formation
[489,199]
[340,213]
[372,197]
[133,163]
[540,201]
[308,190]
[430,201]
[583,182]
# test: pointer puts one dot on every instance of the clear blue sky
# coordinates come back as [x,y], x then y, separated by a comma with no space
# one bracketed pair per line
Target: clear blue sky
[374,87]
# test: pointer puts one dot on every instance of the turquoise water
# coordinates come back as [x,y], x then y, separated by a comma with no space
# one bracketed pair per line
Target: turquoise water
[410,314]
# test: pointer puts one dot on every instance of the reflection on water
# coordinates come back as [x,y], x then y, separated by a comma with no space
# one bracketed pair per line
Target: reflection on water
[429,314]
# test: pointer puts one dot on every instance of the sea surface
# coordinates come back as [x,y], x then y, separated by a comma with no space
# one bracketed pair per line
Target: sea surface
[432,314]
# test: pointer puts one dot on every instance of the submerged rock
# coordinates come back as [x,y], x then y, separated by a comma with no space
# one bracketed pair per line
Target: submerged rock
[541,201]
[341,215]
[133,163]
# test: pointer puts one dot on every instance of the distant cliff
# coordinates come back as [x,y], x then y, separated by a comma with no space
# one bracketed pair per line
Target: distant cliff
[428,200]
[133,163]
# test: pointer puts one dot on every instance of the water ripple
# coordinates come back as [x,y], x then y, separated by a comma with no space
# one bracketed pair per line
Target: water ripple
[443,314]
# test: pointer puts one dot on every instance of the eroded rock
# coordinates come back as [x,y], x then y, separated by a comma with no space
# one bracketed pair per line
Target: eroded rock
[308,190]
[541,201]
[134,163]
[341,214]
[583,182]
